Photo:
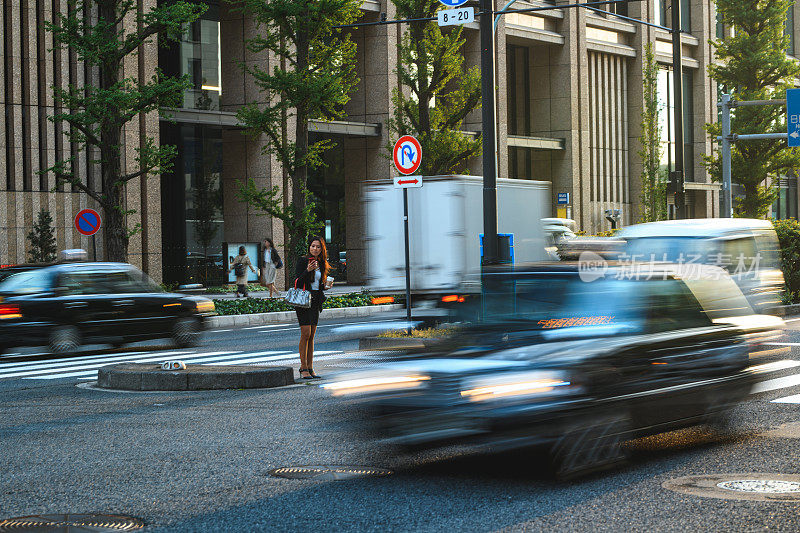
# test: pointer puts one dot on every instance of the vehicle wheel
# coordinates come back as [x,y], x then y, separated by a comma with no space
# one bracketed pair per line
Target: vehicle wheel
[589,447]
[186,332]
[64,339]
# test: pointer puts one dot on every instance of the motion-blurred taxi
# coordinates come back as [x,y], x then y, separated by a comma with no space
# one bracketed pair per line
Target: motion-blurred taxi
[574,362]
[66,305]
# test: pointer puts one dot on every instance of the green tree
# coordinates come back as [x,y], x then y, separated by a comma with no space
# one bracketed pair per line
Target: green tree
[436,93]
[207,198]
[42,239]
[654,186]
[95,116]
[753,65]
[313,78]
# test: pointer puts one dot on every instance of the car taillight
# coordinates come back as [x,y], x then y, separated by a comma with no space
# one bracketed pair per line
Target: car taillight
[9,311]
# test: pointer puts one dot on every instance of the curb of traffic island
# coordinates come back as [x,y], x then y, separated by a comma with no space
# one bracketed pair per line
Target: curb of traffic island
[150,377]
[287,317]
[395,343]
[786,310]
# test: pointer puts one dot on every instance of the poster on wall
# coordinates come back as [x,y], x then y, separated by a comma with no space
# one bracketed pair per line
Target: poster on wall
[231,249]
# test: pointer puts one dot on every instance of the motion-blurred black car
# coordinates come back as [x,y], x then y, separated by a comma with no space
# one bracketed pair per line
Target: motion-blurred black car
[573,363]
[66,305]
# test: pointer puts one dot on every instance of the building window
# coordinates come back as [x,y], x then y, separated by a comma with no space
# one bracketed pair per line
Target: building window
[666,113]
[519,110]
[785,205]
[326,183]
[663,14]
[199,56]
[191,205]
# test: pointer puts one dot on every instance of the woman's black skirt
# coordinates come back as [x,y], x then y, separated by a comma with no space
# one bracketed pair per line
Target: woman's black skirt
[310,316]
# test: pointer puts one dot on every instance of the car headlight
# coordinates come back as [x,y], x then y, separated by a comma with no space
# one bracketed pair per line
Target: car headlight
[515,385]
[378,383]
[204,306]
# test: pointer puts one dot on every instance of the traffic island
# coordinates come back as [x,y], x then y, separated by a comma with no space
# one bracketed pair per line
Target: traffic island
[151,377]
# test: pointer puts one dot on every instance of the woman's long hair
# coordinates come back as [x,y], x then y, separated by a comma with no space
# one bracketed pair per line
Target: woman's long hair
[326,267]
[272,251]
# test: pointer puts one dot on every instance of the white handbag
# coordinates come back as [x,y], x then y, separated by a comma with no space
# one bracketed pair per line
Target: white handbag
[298,297]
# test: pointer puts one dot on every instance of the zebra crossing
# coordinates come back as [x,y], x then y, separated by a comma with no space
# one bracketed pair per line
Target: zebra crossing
[84,367]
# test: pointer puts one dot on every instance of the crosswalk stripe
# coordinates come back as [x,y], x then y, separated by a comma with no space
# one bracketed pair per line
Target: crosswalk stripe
[249,358]
[209,358]
[69,360]
[777,383]
[788,399]
[84,360]
[150,359]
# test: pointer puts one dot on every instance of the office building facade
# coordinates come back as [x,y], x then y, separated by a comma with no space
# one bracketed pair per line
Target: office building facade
[569,102]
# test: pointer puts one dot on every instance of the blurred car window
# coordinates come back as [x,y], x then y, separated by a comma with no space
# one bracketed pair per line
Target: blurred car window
[669,249]
[106,282]
[29,282]
[668,304]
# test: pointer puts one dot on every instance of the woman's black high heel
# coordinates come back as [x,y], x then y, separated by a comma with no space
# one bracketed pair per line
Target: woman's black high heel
[305,370]
[313,375]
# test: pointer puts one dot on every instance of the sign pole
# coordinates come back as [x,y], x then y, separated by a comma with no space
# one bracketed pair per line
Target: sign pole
[408,269]
[94,248]
[407,155]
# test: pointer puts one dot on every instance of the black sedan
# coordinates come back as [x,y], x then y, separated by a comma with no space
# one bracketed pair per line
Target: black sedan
[66,305]
[571,364]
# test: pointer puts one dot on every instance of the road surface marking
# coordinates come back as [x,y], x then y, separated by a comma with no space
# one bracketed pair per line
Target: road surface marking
[787,399]
[778,383]
[55,363]
[149,359]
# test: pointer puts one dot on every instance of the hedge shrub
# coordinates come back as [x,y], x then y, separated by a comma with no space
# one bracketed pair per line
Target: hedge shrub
[246,306]
[789,238]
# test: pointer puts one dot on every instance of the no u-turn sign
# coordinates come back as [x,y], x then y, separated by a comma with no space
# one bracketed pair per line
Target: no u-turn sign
[407,154]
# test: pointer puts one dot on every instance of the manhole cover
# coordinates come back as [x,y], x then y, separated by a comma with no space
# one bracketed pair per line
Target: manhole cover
[57,523]
[328,473]
[766,486]
[753,487]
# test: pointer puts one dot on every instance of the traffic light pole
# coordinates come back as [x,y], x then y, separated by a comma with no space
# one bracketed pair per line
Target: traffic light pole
[677,176]
[490,252]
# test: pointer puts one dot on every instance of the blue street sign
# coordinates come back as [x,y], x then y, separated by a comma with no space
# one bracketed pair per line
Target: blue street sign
[793,116]
[453,3]
[562,198]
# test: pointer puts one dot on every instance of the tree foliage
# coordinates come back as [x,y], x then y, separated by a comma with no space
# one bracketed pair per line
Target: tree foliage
[654,185]
[436,92]
[753,65]
[95,116]
[313,78]
[42,239]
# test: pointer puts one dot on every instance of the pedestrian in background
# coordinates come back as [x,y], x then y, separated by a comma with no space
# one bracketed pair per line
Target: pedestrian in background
[272,262]
[240,265]
[312,273]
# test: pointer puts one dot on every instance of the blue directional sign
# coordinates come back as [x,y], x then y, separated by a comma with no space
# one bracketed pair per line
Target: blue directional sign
[562,198]
[793,116]
[453,3]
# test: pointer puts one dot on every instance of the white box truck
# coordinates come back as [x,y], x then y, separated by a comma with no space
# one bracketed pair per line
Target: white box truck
[445,229]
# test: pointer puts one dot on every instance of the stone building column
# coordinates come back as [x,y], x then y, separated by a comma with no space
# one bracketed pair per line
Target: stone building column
[243,156]
[366,158]
[569,116]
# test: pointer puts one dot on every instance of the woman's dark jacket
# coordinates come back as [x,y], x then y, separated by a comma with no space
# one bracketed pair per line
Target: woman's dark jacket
[304,278]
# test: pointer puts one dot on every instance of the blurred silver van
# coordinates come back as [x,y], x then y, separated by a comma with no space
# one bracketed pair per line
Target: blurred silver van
[747,248]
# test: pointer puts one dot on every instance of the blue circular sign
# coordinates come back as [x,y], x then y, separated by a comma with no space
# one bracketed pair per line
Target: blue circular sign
[87,222]
[453,3]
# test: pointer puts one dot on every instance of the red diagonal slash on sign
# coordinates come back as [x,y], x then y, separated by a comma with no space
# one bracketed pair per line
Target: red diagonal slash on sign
[403,182]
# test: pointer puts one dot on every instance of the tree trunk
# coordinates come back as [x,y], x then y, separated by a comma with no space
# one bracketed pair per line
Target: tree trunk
[115,235]
[299,183]
[423,83]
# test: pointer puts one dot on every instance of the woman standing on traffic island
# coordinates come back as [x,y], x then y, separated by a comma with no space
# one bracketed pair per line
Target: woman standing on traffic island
[312,275]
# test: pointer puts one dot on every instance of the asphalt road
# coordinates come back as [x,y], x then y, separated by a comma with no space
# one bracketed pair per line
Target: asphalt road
[200,461]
